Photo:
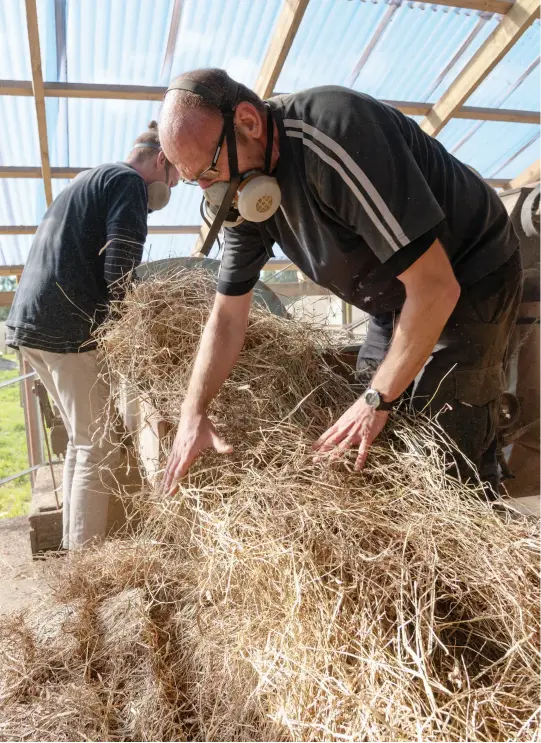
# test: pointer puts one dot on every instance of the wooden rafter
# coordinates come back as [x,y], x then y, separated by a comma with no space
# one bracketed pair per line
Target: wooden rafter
[286,28]
[10,171]
[489,6]
[516,21]
[155,93]
[14,171]
[39,96]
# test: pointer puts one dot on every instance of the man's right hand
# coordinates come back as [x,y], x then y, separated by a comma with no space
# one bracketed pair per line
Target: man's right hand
[195,433]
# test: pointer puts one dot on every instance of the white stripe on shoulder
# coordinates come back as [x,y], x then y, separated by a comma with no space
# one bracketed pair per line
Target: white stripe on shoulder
[340,170]
[361,176]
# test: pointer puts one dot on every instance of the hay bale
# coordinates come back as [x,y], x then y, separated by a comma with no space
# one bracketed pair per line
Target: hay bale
[279,599]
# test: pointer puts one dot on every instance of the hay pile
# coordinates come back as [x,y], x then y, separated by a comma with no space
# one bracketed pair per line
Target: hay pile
[275,598]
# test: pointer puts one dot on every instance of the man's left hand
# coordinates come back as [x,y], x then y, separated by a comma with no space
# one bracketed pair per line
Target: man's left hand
[359,425]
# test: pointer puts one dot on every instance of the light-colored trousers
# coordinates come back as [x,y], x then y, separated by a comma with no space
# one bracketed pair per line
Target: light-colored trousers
[82,397]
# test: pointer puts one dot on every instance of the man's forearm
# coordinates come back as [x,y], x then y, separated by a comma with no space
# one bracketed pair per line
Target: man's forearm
[221,344]
[417,332]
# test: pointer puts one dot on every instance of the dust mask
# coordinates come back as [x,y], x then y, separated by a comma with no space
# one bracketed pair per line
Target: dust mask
[158,192]
[255,195]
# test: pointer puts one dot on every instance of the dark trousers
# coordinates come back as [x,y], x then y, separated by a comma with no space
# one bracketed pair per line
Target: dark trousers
[463,380]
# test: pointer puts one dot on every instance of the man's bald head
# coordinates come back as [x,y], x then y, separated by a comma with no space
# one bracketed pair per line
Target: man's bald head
[190,125]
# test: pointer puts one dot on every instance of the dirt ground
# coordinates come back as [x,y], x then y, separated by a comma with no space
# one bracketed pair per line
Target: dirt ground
[22,580]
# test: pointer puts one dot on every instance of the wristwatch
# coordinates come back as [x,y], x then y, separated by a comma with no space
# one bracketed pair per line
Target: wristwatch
[374,399]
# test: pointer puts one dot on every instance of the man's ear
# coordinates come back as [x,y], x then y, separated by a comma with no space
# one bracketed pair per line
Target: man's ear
[248,120]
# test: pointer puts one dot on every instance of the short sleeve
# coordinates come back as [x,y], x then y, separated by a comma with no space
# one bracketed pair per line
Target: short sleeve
[243,258]
[365,175]
[127,209]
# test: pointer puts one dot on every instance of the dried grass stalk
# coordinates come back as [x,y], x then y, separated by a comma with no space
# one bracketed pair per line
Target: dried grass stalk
[275,598]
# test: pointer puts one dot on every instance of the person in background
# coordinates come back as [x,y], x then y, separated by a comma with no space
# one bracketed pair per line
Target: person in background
[365,204]
[84,251]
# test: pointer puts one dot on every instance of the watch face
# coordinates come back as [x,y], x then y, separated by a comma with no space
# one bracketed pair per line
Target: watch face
[372,398]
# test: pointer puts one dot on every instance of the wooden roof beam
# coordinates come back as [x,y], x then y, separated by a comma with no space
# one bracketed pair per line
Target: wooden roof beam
[512,26]
[39,96]
[286,29]
[153,93]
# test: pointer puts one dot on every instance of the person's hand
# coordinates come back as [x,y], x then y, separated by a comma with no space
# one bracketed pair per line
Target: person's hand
[360,424]
[195,433]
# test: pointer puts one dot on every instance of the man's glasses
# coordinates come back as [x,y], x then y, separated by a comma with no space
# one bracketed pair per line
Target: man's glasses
[212,172]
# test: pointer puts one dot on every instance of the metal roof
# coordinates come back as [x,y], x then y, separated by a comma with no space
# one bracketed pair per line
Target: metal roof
[405,51]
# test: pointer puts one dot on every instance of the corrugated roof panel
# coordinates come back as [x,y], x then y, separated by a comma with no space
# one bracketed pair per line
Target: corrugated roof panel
[14,249]
[59,184]
[14,54]
[398,69]
[18,124]
[334,35]
[22,201]
[233,36]
[96,130]
[106,42]
[330,39]
[498,89]
[490,145]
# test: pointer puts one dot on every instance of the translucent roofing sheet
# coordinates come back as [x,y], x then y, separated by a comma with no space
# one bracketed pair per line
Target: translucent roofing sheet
[222,33]
[14,54]
[133,39]
[488,145]
[14,249]
[22,201]
[18,124]
[514,82]
[334,37]
[85,132]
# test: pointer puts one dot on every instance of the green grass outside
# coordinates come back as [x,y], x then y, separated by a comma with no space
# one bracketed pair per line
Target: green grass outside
[15,495]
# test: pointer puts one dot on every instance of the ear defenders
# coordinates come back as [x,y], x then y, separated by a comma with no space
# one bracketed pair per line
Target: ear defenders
[253,196]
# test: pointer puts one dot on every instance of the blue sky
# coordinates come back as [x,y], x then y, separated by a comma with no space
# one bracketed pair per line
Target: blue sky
[124,41]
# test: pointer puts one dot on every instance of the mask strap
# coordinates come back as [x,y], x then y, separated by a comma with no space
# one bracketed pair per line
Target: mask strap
[231,143]
[234,181]
[220,216]
[270,142]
